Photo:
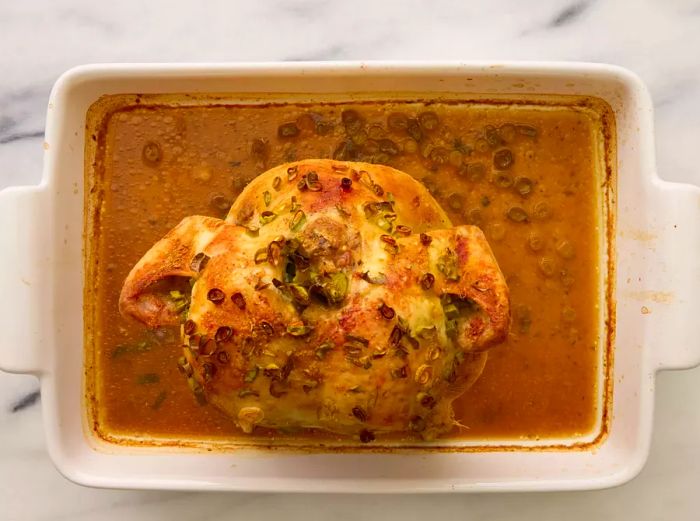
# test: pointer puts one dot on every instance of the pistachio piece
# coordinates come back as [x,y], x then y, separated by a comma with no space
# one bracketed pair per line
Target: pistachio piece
[249,417]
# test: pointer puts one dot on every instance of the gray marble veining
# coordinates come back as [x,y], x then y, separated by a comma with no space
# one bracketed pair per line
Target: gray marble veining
[658,40]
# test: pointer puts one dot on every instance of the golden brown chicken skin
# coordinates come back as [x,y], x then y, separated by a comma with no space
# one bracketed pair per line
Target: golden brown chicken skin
[335,295]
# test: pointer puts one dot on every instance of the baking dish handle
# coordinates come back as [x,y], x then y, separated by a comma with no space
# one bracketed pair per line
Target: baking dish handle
[22,277]
[675,279]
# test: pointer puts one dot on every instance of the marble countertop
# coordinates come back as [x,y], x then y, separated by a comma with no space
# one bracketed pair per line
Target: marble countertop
[658,40]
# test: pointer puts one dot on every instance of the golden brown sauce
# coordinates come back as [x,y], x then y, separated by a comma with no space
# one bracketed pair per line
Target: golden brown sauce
[540,214]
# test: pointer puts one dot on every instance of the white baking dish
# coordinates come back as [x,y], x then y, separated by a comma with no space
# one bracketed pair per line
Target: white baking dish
[656,296]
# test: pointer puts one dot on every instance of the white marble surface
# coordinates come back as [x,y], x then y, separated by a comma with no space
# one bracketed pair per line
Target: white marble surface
[657,39]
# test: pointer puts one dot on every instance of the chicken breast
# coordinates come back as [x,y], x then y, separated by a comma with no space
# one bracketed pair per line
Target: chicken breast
[334,295]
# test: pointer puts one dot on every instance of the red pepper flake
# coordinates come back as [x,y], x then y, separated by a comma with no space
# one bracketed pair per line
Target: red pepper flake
[190,327]
[386,311]
[312,182]
[223,357]
[238,299]
[388,239]
[359,413]
[266,327]
[346,184]
[427,281]
[404,230]
[223,334]
[395,336]
[216,296]
[199,262]
[366,436]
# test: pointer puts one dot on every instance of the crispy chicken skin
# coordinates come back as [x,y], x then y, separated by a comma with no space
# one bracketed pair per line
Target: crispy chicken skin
[334,295]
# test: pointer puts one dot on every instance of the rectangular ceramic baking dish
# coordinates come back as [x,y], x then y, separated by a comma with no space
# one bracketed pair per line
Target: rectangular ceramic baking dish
[654,293]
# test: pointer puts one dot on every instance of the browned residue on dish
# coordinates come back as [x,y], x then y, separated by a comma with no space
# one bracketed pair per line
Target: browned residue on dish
[660,297]
[639,235]
[609,218]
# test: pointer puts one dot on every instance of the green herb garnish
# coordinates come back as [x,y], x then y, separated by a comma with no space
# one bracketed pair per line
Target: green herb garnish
[251,375]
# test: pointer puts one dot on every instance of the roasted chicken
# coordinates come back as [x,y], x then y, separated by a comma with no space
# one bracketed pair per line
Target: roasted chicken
[334,295]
